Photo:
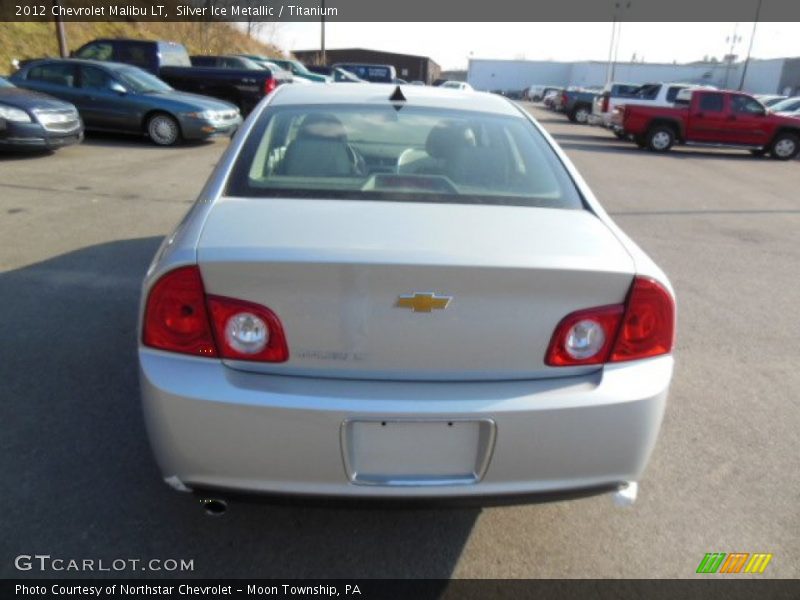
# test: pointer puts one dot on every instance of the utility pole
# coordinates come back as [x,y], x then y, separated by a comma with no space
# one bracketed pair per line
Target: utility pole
[613,48]
[750,47]
[730,57]
[61,35]
[322,35]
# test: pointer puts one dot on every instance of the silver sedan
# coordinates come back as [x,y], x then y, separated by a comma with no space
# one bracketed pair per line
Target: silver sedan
[402,292]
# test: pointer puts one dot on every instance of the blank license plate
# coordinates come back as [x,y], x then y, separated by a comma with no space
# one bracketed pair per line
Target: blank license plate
[417,453]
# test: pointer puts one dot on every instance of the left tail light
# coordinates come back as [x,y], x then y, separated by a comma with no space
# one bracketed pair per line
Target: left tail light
[641,328]
[179,317]
[270,85]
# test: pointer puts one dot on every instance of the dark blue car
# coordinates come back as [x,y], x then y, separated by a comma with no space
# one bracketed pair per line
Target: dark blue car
[33,121]
[122,98]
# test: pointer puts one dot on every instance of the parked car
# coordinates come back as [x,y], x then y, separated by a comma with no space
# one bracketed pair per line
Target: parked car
[716,118]
[122,98]
[170,61]
[370,72]
[769,100]
[342,76]
[577,104]
[551,97]
[649,94]
[605,102]
[787,107]
[33,121]
[448,311]
[320,70]
[456,85]
[265,63]
[535,93]
[298,69]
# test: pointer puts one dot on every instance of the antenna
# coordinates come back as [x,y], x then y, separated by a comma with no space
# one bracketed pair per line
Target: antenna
[397,95]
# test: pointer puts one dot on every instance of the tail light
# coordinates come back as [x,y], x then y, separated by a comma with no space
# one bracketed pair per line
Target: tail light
[247,331]
[564,98]
[179,317]
[270,85]
[648,328]
[606,99]
[643,327]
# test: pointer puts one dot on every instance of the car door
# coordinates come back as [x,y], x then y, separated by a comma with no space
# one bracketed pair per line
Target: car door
[746,121]
[707,118]
[103,102]
[59,79]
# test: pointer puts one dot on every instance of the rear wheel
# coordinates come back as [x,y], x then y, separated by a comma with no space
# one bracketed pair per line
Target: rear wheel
[785,146]
[163,130]
[580,115]
[621,135]
[660,138]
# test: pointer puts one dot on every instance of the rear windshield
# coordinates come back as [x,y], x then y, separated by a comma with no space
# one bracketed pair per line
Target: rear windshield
[414,154]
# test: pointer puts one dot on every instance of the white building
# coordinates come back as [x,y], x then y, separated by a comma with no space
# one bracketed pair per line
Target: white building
[773,76]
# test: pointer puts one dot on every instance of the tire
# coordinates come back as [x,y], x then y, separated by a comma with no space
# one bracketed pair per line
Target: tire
[660,138]
[579,114]
[163,130]
[621,135]
[785,146]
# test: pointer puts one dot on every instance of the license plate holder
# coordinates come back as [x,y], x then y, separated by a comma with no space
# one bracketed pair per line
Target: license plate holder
[429,452]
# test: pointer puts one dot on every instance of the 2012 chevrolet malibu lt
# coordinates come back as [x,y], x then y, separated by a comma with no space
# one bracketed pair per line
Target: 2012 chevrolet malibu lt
[392,292]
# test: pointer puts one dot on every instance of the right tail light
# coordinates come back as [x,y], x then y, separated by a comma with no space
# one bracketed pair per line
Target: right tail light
[641,328]
[605,101]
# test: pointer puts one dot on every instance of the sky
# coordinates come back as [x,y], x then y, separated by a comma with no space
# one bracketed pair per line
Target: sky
[452,44]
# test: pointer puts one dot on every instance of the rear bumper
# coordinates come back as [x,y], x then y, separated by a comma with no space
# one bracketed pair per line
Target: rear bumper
[213,427]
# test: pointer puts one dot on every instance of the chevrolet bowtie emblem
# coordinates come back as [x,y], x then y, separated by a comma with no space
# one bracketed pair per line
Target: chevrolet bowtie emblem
[423,302]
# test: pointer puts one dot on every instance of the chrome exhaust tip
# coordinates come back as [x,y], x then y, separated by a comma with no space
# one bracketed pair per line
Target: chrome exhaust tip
[214,507]
[625,496]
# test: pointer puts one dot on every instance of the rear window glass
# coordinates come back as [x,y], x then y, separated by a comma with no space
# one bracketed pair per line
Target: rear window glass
[415,154]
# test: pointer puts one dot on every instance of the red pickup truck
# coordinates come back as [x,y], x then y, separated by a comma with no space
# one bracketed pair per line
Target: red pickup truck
[714,118]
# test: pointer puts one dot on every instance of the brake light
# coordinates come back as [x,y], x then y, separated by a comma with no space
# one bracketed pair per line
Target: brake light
[643,327]
[175,317]
[605,101]
[270,85]
[179,317]
[247,331]
[648,328]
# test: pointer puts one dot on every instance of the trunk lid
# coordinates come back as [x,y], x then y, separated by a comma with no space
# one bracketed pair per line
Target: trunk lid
[334,271]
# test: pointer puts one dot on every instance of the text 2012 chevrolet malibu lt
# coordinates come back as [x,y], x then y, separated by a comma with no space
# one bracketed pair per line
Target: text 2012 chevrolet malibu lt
[403,293]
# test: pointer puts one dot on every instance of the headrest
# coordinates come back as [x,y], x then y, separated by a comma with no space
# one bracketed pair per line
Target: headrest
[322,126]
[448,137]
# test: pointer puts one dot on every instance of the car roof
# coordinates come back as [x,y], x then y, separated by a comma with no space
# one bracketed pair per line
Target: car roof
[379,93]
[83,61]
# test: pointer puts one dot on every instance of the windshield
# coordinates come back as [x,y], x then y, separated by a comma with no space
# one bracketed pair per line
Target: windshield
[248,63]
[4,83]
[141,82]
[415,154]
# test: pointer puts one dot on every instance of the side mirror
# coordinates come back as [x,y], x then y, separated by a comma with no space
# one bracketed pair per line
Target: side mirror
[117,87]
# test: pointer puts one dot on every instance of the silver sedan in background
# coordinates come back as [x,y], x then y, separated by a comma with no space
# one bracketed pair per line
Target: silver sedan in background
[389,292]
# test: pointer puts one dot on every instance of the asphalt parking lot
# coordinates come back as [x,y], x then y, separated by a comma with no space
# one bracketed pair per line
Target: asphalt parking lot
[78,229]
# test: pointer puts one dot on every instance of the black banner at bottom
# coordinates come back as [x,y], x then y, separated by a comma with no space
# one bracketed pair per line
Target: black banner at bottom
[420,589]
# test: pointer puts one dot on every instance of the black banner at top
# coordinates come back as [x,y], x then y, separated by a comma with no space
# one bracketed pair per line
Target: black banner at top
[400,10]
